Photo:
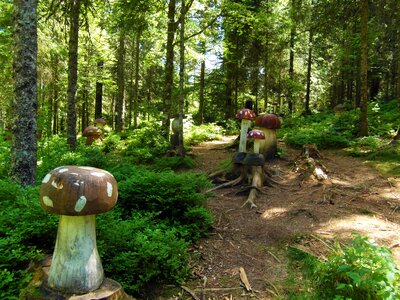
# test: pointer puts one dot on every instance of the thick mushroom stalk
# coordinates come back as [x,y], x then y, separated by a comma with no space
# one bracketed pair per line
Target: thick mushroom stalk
[77,194]
[246,115]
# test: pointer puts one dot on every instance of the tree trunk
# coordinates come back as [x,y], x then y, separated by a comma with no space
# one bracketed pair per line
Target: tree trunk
[73,72]
[364,68]
[23,167]
[201,92]
[169,69]
[291,59]
[98,107]
[119,103]
[136,87]
[181,147]
[307,110]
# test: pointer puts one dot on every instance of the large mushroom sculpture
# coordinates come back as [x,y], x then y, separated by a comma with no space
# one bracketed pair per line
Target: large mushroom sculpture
[268,123]
[77,194]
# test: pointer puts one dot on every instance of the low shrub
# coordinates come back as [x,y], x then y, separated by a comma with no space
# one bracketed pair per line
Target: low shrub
[206,132]
[363,270]
[143,252]
[173,163]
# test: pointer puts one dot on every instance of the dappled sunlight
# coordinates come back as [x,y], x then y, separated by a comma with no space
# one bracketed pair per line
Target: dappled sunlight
[372,226]
[274,212]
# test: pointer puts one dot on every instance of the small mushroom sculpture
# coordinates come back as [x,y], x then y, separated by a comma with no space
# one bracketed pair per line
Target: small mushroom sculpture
[255,159]
[268,123]
[91,133]
[77,194]
[100,122]
[246,115]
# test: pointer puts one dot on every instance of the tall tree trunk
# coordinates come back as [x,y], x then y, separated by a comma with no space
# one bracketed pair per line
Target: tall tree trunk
[307,110]
[364,68]
[23,167]
[181,147]
[169,69]
[201,92]
[291,58]
[136,87]
[98,107]
[73,72]
[119,103]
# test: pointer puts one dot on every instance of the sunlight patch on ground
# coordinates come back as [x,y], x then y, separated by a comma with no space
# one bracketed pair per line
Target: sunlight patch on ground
[382,231]
[274,212]
[372,226]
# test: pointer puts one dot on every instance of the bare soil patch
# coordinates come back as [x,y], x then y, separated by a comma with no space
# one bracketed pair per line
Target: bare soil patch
[305,213]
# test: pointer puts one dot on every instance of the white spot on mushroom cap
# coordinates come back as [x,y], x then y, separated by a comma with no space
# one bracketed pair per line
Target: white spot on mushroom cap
[63,170]
[109,189]
[47,201]
[46,178]
[73,173]
[58,186]
[98,174]
[80,204]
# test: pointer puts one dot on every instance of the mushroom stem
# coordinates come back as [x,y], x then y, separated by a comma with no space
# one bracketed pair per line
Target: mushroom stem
[268,147]
[76,267]
[243,134]
[257,146]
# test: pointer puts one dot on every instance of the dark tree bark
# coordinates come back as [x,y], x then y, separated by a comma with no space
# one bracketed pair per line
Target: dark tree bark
[364,68]
[119,103]
[181,147]
[136,87]
[98,107]
[307,110]
[169,69]
[23,168]
[73,72]
[291,58]
[201,92]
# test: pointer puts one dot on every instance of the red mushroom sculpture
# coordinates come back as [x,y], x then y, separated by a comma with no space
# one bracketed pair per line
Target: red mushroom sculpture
[246,115]
[268,123]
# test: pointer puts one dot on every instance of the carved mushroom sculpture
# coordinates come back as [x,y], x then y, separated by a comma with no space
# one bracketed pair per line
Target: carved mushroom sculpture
[77,194]
[268,123]
[255,159]
[100,122]
[246,115]
[92,133]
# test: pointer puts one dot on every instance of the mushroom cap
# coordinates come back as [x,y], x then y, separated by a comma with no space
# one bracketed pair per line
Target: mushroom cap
[78,191]
[269,121]
[100,121]
[245,113]
[256,135]
[91,131]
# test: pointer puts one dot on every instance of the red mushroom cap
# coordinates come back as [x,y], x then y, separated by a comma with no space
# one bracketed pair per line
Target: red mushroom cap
[269,121]
[91,131]
[78,191]
[256,135]
[246,113]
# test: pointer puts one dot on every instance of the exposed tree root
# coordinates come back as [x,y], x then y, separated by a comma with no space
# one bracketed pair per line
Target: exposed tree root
[238,180]
[308,164]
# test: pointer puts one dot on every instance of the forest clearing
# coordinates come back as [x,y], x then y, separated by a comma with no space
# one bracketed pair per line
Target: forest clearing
[308,215]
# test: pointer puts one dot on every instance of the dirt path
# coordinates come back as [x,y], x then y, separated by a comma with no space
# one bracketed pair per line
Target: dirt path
[307,214]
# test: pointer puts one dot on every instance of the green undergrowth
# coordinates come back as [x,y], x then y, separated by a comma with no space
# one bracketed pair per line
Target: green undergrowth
[340,131]
[143,241]
[361,270]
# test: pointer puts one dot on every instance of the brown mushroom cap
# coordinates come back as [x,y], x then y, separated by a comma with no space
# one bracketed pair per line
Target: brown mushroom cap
[256,135]
[78,191]
[100,121]
[269,121]
[246,113]
[91,131]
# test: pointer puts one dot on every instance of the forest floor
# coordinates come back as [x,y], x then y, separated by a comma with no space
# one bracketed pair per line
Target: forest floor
[306,214]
